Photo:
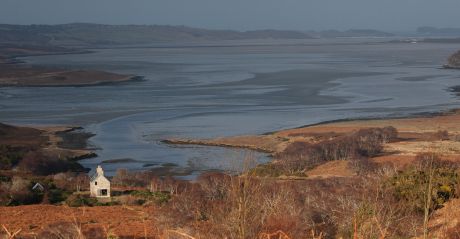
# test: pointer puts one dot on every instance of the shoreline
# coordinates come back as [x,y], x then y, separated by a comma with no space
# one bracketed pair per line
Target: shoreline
[55,140]
[57,136]
[35,152]
[208,143]
[276,141]
[17,76]
[17,73]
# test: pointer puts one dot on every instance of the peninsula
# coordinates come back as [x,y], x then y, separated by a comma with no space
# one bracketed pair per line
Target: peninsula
[15,73]
[453,61]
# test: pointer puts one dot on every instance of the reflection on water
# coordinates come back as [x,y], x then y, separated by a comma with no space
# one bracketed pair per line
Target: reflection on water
[202,92]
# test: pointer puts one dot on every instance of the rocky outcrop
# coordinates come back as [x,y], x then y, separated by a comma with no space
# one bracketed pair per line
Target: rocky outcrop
[454,61]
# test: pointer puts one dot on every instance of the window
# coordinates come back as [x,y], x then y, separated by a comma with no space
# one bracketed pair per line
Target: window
[103,192]
[95,183]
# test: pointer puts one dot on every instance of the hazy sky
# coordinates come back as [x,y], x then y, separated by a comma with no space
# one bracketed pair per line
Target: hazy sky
[240,14]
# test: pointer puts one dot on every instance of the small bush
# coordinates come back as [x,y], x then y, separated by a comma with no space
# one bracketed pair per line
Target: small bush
[19,193]
[10,156]
[362,165]
[364,143]
[266,170]
[39,164]
[5,178]
[24,198]
[156,197]
[57,195]
[106,204]
[123,177]
[440,135]
[128,200]
[411,185]
[79,200]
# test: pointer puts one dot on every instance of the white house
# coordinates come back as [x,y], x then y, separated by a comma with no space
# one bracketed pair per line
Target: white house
[99,185]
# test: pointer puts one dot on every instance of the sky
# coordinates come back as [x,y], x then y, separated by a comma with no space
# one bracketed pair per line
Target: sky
[390,15]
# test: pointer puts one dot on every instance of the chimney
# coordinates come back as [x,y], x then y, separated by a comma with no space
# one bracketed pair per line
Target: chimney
[99,170]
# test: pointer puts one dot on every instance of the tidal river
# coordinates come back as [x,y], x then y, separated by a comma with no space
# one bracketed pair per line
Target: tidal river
[231,88]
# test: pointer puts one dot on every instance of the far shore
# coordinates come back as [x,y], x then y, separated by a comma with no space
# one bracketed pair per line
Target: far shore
[15,73]
[67,140]
[61,141]
[12,75]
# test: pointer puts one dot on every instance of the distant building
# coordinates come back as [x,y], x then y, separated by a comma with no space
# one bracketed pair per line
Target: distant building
[99,185]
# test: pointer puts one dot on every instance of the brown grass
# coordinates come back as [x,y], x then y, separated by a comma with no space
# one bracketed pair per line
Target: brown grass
[337,168]
[445,222]
[135,221]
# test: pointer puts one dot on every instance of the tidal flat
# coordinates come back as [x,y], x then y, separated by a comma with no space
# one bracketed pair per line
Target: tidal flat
[236,88]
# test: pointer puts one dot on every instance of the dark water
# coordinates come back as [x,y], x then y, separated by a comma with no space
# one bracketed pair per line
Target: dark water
[232,88]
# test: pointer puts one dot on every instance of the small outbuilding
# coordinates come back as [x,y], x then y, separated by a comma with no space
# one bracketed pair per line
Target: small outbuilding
[38,187]
[99,184]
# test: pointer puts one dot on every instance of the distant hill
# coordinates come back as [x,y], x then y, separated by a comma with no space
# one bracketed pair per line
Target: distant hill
[83,34]
[352,33]
[86,34]
[439,32]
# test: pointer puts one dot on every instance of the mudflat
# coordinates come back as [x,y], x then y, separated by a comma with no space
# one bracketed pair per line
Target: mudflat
[11,75]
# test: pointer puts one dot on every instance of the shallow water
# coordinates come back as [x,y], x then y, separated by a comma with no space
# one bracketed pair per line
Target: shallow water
[232,88]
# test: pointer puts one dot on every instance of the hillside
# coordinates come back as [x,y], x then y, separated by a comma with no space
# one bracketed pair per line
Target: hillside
[433,31]
[51,143]
[351,33]
[357,176]
[86,34]
[44,221]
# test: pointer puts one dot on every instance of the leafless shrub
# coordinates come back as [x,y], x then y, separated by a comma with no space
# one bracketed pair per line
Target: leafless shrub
[128,200]
[363,165]
[224,206]
[215,185]
[74,181]
[148,180]
[300,156]
[439,135]
[9,234]
[63,230]
[389,134]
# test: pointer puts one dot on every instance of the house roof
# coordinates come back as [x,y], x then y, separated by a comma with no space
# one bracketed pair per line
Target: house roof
[98,177]
[38,186]
[93,177]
